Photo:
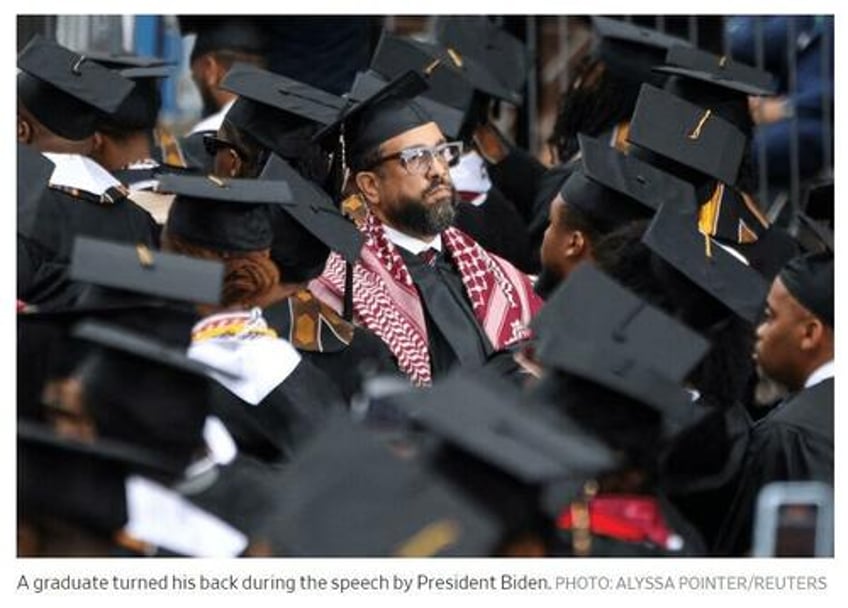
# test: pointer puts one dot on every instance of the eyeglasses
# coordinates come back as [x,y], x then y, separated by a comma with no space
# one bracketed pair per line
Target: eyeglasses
[213,143]
[418,161]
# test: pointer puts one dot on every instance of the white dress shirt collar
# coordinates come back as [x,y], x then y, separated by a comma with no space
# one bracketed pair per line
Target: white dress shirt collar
[410,243]
[821,374]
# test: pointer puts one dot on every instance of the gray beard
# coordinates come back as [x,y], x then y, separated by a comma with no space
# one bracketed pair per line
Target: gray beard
[414,217]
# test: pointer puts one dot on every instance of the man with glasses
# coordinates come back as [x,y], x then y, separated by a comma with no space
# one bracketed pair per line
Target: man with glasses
[428,290]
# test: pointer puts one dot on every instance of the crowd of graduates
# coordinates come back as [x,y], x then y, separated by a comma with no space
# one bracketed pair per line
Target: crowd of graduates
[366,323]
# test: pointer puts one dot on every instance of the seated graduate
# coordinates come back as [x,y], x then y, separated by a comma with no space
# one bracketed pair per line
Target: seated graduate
[127,460]
[130,143]
[61,97]
[614,368]
[795,346]
[705,104]
[219,42]
[464,79]
[228,221]
[598,101]
[675,266]
[605,191]
[267,134]
[431,293]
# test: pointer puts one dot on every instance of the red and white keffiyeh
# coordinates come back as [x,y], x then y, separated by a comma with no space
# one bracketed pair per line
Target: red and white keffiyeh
[386,302]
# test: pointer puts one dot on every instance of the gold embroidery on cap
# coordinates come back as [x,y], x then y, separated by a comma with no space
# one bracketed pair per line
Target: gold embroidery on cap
[216,180]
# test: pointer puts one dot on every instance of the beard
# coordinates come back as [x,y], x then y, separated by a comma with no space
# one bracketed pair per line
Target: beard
[210,104]
[414,216]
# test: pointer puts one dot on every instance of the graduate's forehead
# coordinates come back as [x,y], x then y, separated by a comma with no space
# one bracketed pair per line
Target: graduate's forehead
[426,135]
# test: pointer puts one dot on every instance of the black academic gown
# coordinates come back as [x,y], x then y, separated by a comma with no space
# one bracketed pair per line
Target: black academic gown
[278,425]
[500,229]
[531,187]
[244,493]
[794,442]
[700,469]
[454,335]
[62,217]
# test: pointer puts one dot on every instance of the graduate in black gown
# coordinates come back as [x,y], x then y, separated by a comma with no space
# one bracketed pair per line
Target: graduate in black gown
[606,191]
[598,101]
[614,370]
[61,96]
[706,98]
[677,268]
[266,135]
[469,83]
[128,460]
[795,346]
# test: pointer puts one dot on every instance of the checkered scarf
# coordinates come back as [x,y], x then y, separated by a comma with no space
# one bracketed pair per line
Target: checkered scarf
[385,299]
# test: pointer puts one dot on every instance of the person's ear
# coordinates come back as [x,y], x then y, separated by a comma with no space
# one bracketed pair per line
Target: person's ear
[25,133]
[204,70]
[369,186]
[812,334]
[97,143]
[576,244]
[234,161]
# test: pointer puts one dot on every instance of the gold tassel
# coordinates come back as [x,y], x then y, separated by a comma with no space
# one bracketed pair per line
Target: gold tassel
[697,132]
[145,257]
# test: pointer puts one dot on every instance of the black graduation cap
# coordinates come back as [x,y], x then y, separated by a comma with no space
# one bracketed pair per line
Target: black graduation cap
[379,117]
[595,328]
[449,118]
[226,214]
[142,346]
[314,211]
[349,496]
[675,237]
[239,33]
[65,90]
[631,51]
[144,392]
[140,110]
[139,270]
[34,171]
[485,417]
[452,78]
[631,176]
[79,481]
[812,235]
[689,134]
[718,70]
[133,66]
[809,278]
[818,200]
[477,37]
[40,436]
[277,111]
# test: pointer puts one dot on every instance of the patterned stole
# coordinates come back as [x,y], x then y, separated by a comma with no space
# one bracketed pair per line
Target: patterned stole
[386,301]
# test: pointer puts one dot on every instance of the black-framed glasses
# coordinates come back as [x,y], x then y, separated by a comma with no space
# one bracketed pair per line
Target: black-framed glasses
[419,160]
[213,143]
